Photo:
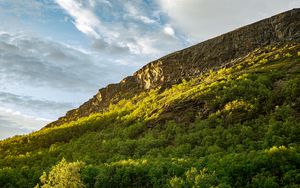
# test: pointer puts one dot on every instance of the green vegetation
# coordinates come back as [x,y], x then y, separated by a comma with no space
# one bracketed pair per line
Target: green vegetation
[63,175]
[234,127]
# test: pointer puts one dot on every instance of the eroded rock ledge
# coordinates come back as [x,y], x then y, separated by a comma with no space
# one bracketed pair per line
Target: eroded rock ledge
[193,61]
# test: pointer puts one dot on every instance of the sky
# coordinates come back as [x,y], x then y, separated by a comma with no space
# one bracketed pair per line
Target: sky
[56,54]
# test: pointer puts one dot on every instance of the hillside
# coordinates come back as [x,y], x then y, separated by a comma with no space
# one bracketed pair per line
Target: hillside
[191,62]
[231,119]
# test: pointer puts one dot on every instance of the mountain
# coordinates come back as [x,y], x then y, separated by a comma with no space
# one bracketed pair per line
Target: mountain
[193,61]
[222,113]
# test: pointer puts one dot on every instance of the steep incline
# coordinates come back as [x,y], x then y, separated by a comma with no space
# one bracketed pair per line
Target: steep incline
[188,63]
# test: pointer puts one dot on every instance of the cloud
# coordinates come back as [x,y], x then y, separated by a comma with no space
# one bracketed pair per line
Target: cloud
[169,30]
[12,123]
[136,14]
[203,19]
[32,107]
[39,63]
[119,26]
[21,7]
[85,20]
[104,48]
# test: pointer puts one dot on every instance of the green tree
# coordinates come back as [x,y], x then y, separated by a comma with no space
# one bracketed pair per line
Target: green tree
[63,174]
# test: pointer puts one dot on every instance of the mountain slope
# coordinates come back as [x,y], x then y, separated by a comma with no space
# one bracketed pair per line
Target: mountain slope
[231,126]
[193,61]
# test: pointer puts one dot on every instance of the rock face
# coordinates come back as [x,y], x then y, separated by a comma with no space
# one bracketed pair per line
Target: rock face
[193,61]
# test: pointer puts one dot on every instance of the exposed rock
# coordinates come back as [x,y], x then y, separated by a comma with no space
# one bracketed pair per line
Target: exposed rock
[193,61]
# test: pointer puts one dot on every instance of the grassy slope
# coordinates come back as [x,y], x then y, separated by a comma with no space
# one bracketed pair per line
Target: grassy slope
[237,127]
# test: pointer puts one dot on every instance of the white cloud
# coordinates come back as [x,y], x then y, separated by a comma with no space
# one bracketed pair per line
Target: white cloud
[146,20]
[136,14]
[203,19]
[169,30]
[85,20]
[127,34]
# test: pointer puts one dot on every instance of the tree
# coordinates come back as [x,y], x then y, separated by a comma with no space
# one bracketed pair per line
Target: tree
[63,174]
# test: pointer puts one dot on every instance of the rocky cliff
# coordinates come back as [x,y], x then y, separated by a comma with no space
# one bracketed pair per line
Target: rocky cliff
[193,61]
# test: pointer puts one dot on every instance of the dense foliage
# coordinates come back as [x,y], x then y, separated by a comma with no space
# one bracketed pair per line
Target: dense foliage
[238,126]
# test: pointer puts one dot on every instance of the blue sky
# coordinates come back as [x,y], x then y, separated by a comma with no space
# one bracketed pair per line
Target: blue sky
[56,54]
